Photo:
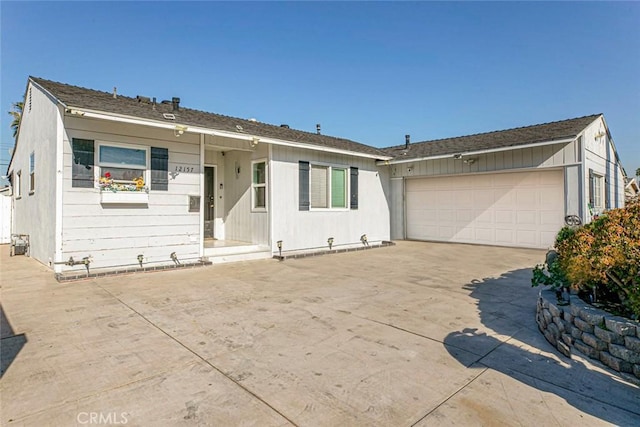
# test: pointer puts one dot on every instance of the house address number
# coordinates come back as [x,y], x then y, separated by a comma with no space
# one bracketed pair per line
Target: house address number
[183,168]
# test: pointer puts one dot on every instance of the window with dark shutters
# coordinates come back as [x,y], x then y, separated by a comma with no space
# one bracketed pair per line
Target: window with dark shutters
[354,188]
[303,186]
[83,162]
[159,169]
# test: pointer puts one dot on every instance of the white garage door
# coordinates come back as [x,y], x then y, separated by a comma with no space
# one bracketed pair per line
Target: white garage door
[506,209]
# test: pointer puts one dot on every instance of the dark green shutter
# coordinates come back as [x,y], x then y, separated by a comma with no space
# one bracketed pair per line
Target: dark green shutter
[607,193]
[159,169]
[354,188]
[83,162]
[303,186]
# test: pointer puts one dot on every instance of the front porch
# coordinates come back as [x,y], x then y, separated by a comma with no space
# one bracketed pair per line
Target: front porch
[221,251]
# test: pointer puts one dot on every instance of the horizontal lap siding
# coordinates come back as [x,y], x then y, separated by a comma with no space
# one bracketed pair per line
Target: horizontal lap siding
[311,229]
[114,235]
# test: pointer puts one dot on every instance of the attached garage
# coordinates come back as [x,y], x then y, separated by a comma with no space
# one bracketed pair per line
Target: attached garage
[524,209]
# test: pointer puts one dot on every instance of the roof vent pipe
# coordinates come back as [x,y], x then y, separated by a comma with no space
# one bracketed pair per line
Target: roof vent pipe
[318,128]
[176,103]
[115,92]
[154,103]
[407,141]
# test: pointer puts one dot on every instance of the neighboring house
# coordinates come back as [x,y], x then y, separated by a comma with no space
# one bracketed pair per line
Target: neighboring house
[511,188]
[126,181]
[109,177]
[5,215]
[631,189]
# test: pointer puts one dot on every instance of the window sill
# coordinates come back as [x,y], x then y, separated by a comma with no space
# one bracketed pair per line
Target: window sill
[329,209]
[124,197]
[31,193]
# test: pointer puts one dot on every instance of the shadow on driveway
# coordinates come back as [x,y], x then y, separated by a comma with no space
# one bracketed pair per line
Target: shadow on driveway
[10,345]
[528,358]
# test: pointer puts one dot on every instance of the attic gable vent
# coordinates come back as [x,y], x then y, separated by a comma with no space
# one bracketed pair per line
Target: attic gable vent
[169,116]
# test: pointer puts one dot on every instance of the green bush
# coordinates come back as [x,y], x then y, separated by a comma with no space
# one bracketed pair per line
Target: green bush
[605,254]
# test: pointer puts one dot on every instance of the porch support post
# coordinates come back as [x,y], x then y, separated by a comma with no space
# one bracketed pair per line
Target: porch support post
[202,201]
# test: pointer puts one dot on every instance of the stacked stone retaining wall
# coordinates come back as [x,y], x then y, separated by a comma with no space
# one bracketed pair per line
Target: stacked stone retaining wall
[613,340]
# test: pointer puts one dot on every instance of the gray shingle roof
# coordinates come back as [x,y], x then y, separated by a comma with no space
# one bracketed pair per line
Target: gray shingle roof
[79,97]
[545,132]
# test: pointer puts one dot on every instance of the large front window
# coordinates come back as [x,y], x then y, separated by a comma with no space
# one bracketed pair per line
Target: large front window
[328,187]
[123,168]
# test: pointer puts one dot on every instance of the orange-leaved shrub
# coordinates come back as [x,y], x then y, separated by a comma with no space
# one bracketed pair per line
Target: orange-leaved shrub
[606,254]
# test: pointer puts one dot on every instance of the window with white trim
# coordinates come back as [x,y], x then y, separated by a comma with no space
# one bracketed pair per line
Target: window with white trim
[123,167]
[596,192]
[17,186]
[328,187]
[32,173]
[259,185]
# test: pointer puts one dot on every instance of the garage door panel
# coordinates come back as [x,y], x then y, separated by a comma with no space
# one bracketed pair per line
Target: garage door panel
[504,217]
[485,235]
[484,217]
[511,209]
[527,217]
[526,237]
[466,233]
[483,197]
[504,237]
[465,215]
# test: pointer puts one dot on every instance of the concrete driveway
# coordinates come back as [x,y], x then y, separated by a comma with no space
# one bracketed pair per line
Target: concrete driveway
[414,334]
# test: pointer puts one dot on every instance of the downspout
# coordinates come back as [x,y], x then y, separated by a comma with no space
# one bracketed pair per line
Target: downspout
[581,187]
[59,190]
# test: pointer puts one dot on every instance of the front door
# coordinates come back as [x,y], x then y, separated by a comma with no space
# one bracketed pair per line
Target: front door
[209,200]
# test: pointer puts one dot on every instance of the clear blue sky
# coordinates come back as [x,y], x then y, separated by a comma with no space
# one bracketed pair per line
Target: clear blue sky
[371,72]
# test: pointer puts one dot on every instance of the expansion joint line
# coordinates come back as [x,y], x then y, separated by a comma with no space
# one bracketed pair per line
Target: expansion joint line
[448,398]
[201,358]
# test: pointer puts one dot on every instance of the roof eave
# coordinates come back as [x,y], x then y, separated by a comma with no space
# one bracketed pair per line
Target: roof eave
[478,152]
[105,115]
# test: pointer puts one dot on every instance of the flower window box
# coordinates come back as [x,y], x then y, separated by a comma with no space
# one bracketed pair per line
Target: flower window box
[124,197]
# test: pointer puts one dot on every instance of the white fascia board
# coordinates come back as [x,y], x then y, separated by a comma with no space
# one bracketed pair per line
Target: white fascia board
[200,130]
[477,152]
[321,148]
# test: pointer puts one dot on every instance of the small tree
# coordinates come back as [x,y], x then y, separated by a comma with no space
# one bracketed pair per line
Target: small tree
[17,116]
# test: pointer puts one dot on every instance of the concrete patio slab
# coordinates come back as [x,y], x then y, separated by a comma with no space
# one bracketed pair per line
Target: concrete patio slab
[414,334]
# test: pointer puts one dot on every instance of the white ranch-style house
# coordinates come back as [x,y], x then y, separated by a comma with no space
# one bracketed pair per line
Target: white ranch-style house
[117,182]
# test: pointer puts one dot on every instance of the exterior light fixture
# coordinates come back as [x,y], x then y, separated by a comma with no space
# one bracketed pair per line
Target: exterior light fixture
[254,142]
[140,259]
[330,242]
[364,240]
[279,243]
[179,130]
[457,156]
[469,161]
